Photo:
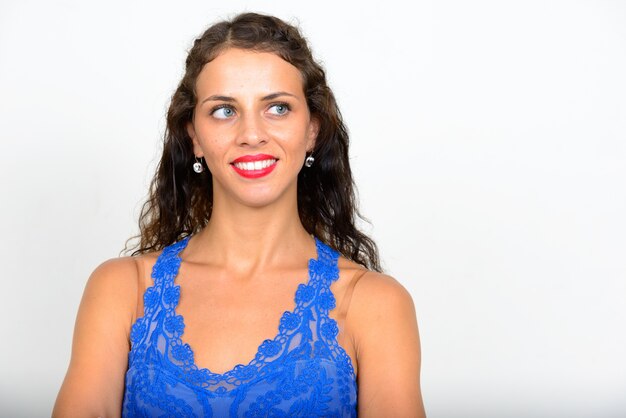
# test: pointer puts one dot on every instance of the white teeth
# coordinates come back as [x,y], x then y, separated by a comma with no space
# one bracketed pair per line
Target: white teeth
[256,165]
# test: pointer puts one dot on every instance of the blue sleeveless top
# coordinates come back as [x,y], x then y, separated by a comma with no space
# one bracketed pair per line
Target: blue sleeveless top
[302,372]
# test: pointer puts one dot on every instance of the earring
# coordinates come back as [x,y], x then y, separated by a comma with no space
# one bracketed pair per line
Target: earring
[197,166]
[309,161]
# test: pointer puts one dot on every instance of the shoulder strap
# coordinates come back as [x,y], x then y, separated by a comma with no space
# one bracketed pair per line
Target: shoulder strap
[325,253]
[141,288]
[168,262]
[347,298]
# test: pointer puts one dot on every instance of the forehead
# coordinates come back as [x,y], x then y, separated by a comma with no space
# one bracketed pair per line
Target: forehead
[245,72]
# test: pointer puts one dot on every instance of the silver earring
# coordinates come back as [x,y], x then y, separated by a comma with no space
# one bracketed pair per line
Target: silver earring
[309,161]
[197,166]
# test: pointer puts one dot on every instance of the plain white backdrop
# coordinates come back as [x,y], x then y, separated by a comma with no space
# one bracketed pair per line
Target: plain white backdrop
[488,146]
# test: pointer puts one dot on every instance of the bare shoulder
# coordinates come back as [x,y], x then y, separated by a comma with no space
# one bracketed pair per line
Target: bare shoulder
[121,276]
[121,267]
[375,282]
[115,274]
[94,382]
[118,284]
[383,325]
[373,291]
[378,293]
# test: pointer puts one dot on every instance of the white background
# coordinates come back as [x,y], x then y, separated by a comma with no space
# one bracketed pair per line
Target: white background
[488,144]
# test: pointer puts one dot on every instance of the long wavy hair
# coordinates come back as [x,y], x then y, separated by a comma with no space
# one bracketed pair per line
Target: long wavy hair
[180,201]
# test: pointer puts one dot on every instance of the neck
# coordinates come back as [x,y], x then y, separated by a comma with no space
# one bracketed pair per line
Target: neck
[245,238]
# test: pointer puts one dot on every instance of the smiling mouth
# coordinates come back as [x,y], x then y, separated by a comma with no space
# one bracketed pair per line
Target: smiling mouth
[255,165]
[255,169]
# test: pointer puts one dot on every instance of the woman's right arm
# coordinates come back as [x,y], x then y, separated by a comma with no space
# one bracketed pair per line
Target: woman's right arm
[94,383]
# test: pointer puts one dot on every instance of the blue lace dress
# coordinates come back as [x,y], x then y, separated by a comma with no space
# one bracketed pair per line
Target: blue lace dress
[302,372]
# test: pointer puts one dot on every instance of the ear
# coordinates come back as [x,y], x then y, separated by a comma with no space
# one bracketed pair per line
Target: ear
[191,131]
[312,132]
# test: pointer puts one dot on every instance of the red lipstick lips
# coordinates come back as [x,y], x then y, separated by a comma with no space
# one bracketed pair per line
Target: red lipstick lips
[254,166]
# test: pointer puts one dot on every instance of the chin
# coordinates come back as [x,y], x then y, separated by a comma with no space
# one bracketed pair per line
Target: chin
[259,199]
[259,196]
[270,197]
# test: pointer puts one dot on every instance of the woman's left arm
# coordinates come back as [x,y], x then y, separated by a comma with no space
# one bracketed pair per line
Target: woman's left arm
[384,329]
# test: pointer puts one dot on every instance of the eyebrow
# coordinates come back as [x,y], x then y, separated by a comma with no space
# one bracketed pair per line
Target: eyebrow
[220,98]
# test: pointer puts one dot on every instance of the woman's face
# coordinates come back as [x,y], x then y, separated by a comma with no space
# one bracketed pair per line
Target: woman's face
[252,126]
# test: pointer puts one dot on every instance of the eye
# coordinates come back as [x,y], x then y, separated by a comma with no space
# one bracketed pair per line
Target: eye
[223,112]
[279,109]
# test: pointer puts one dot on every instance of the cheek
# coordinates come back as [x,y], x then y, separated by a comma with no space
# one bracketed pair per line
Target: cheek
[213,150]
[294,136]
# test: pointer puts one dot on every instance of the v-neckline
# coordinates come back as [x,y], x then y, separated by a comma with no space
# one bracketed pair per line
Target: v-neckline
[177,339]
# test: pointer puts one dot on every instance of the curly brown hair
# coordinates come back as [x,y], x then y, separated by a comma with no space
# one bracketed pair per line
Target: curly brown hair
[180,201]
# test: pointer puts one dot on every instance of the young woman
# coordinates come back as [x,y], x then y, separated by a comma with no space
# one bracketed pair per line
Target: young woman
[251,293]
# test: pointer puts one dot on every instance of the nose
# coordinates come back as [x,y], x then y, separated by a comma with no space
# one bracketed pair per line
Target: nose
[251,130]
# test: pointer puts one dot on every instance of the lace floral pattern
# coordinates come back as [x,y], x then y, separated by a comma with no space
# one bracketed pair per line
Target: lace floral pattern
[302,372]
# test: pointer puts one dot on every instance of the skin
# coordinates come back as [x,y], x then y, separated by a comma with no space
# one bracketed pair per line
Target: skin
[239,274]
